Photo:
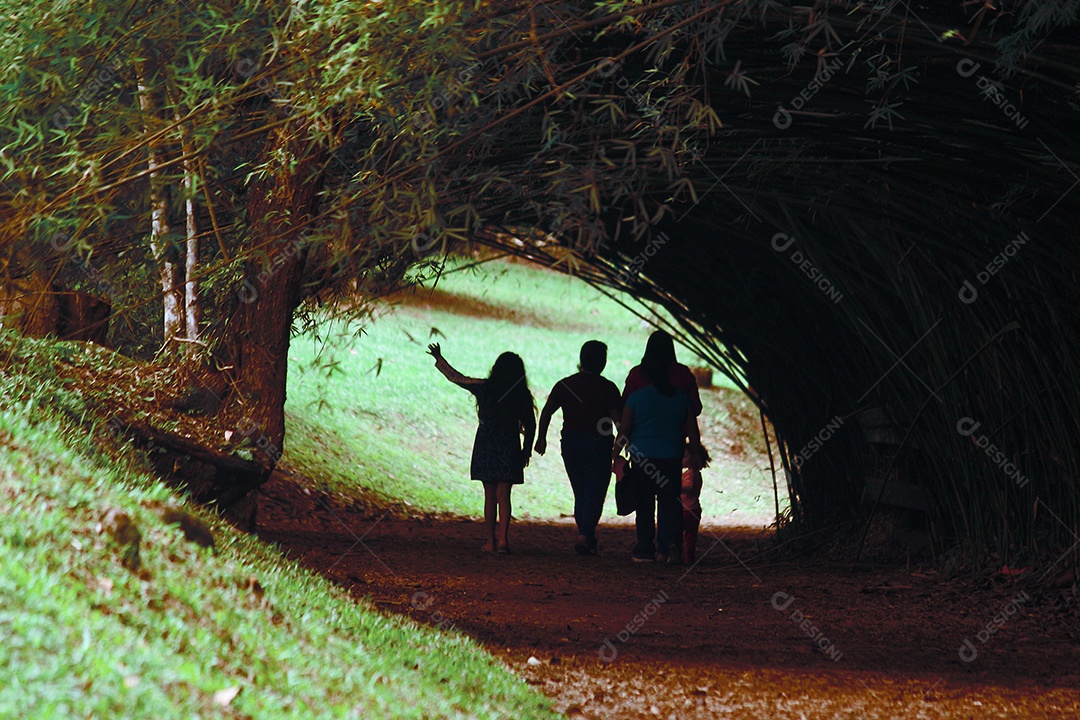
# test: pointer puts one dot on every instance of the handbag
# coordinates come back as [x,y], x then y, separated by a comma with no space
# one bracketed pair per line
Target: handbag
[625,487]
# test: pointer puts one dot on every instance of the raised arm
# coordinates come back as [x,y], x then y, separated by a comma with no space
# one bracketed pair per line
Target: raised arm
[447,370]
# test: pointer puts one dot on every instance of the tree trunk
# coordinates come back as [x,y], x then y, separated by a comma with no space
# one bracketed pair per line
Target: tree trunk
[169,274]
[169,270]
[279,205]
[191,287]
[191,264]
[256,339]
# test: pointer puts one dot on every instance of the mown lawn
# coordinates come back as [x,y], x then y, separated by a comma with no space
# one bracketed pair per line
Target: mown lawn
[241,633]
[368,410]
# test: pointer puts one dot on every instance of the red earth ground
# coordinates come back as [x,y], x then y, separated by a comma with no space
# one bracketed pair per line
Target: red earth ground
[726,638]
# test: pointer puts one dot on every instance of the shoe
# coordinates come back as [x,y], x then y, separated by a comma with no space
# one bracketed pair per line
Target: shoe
[674,555]
[643,558]
[582,549]
[504,550]
[661,558]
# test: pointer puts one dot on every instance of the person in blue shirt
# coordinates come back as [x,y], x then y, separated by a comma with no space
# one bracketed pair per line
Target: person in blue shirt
[656,422]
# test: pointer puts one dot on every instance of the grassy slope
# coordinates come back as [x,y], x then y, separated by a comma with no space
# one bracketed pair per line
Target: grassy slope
[406,434]
[85,637]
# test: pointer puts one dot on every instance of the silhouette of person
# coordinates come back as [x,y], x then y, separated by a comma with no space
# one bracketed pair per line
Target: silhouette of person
[661,344]
[506,410]
[590,408]
[659,414]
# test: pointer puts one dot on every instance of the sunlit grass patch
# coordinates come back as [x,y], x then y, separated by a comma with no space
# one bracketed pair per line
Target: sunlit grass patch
[367,409]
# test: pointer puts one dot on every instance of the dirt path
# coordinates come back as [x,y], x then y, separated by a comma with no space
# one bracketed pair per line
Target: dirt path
[607,638]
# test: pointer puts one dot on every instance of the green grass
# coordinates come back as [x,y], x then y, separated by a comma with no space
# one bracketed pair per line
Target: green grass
[83,636]
[369,410]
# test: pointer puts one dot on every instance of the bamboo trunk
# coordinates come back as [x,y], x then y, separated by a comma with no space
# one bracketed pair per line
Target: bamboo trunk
[169,271]
[191,265]
[279,205]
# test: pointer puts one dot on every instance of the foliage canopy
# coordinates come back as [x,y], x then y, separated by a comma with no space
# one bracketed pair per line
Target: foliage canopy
[632,143]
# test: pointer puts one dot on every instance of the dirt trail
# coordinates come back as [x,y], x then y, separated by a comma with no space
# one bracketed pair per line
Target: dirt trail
[607,638]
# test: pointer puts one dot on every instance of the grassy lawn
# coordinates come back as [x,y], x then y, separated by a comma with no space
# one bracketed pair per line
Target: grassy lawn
[239,633]
[367,408]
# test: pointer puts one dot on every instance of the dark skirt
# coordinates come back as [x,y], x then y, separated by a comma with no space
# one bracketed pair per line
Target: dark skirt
[497,456]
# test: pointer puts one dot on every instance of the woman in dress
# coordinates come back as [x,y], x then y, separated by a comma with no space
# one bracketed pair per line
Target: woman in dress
[506,411]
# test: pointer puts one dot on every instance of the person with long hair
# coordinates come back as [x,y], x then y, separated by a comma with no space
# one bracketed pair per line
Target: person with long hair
[661,348]
[506,411]
[658,417]
[590,408]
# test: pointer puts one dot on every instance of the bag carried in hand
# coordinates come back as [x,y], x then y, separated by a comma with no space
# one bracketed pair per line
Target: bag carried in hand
[625,487]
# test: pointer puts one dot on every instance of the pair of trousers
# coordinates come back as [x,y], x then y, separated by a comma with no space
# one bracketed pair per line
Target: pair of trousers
[587,458]
[659,496]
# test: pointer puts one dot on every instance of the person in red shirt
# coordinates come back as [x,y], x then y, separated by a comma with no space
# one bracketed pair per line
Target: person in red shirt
[590,404]
[681,377]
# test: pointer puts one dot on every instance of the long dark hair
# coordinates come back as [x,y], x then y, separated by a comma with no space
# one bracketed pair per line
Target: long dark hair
[657,360]
[506,395]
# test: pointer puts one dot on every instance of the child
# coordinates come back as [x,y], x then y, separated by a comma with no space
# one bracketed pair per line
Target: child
[691,498]
[505,408]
